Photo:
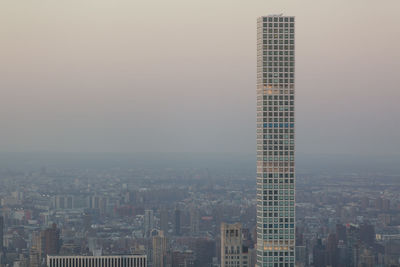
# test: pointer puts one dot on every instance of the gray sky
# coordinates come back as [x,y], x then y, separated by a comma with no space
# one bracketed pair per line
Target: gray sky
[179,75]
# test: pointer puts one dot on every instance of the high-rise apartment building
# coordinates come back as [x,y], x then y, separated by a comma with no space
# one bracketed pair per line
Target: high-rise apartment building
[34,257]
[51,238]
[97,202]
[194,221]
[148,222]
[275,141]
[164,220]
[233,253]
[159,249]
[63,202]
[45,242]
[185,258]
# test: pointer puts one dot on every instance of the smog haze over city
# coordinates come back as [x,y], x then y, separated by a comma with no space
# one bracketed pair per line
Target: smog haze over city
[200,133]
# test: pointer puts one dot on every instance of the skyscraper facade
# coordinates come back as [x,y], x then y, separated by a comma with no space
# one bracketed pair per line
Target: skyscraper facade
[51,238]
[275,141]
[233,253]
[194,221]
[159,249]
[148,222]
[164,220]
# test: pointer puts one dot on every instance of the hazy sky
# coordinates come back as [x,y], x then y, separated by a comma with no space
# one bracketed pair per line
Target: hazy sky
[179,75]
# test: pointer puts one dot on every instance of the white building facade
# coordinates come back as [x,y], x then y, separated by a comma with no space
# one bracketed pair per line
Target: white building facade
[275,141]
[97,261]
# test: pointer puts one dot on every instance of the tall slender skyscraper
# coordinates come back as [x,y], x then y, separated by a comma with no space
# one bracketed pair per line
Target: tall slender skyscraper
[275,141]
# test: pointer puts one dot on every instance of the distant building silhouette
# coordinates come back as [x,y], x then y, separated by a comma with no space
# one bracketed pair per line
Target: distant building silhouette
[177,222]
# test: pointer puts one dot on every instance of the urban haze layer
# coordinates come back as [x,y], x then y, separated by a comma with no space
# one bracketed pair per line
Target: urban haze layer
[205,210]
[347,209]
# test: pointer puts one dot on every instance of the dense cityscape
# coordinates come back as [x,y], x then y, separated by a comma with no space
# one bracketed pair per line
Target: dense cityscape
[172,214]
[174,134]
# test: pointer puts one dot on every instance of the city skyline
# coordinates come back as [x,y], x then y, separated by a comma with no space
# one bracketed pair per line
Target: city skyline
[199,133]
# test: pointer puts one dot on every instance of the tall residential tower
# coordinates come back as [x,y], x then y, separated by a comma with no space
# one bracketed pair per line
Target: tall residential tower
[275,141]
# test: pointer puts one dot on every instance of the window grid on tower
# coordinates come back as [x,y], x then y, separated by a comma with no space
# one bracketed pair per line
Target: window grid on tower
[275,141]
